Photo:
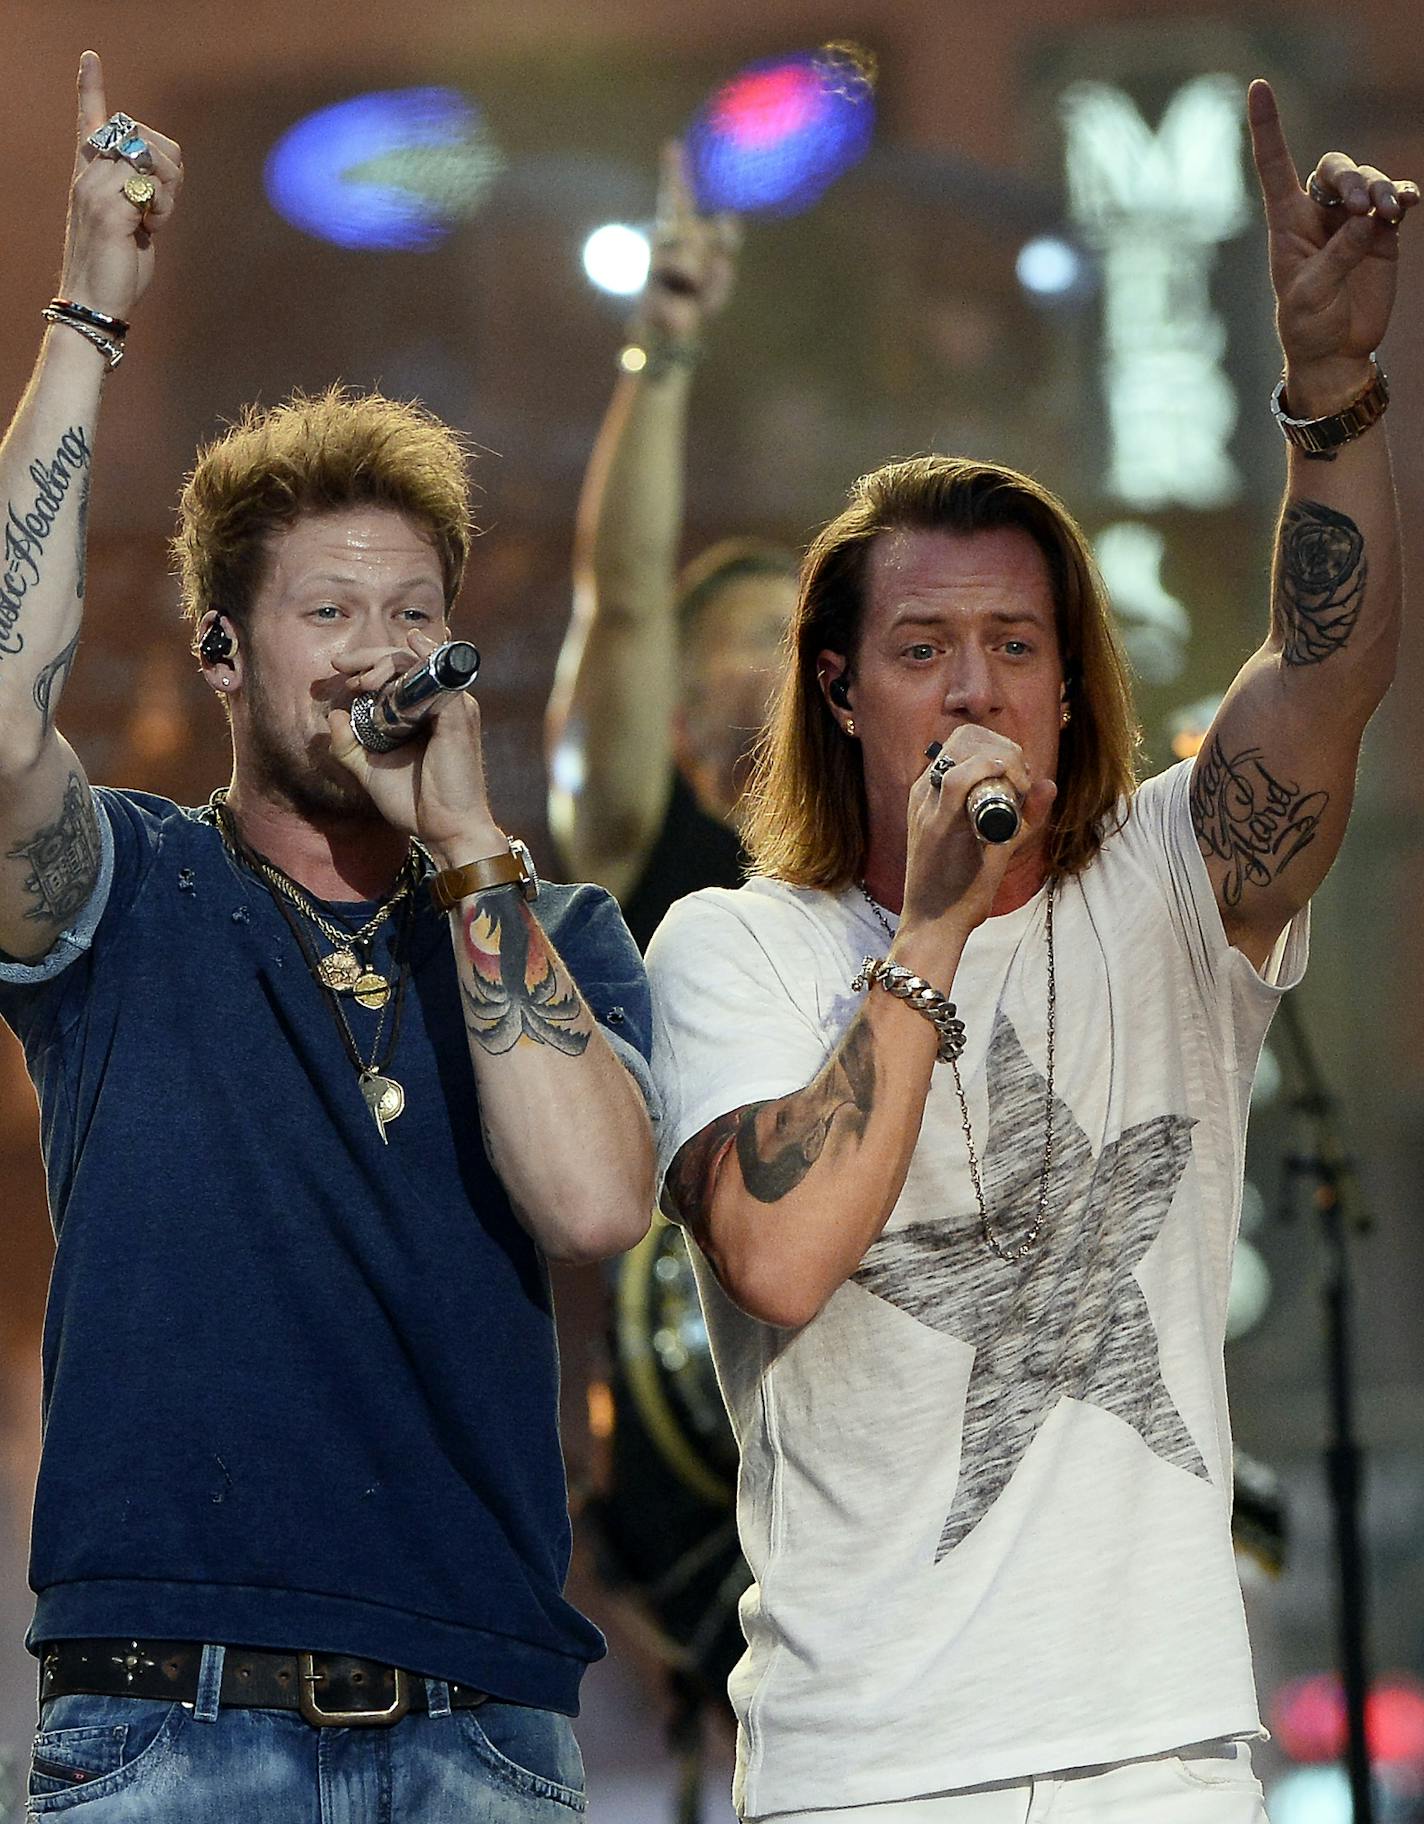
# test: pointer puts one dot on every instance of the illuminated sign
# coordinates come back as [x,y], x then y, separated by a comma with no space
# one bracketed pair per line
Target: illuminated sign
[1156,207]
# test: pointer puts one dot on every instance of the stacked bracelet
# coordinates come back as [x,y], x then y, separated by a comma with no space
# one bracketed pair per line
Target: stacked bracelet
[916,992]
[96,319]
[106,333]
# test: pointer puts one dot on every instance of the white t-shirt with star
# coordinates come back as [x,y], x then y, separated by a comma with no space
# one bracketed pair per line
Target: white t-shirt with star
[987,1505]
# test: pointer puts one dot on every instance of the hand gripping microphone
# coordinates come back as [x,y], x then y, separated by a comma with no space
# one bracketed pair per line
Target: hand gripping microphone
[382,719]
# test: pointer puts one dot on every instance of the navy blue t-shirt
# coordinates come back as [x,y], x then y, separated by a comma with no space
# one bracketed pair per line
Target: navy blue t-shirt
[300,1386]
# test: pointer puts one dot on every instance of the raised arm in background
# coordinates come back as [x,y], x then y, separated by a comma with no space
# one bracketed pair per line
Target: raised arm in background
[1275,778]
[49,846]
[612,714]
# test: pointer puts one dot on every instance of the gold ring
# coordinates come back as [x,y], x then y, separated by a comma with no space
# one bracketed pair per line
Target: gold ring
[140,191]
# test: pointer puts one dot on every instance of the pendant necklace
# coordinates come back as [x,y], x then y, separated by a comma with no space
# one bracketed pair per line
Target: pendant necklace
[349,967]
[382,1093]
[986,1227]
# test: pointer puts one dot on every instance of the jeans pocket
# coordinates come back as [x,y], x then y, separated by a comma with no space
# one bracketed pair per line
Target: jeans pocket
[86,1748]
[532,1752]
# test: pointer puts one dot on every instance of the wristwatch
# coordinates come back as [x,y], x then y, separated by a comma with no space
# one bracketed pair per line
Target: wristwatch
[513,867]
[1321,437]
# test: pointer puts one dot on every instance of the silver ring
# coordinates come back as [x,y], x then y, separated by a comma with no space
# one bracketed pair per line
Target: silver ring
[117,131]
[1317,193]
[939,769]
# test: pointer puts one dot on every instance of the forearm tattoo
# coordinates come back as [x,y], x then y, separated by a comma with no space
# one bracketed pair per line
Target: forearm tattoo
[515,989]
[1320,582]
[778,1142]
[63,858]
[1244,816]
[27,531]
[51,681]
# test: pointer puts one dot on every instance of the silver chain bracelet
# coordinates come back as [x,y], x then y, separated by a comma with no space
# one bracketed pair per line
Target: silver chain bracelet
[916,992]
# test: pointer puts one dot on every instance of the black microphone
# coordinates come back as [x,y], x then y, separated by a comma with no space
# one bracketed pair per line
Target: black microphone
[993,808]
[383,719]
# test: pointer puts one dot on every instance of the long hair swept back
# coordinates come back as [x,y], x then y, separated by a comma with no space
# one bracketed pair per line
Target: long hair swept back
[805,817]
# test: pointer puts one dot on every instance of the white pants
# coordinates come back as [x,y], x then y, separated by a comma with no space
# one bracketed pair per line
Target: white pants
[1210,1783]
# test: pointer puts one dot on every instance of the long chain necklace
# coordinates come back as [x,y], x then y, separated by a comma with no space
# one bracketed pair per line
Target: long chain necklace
[383,1095]
[986,1227]
[349,967]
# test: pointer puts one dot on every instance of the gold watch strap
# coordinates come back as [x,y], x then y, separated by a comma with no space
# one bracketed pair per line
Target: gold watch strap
[447,889]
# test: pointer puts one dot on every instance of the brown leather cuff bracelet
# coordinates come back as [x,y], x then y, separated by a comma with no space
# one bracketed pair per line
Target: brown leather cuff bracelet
[513,869]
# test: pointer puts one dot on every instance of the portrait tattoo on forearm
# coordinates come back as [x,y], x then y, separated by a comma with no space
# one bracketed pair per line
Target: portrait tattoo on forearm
[1244,816]
[64,859]
[1320,582]
[515,989]
[776,1150]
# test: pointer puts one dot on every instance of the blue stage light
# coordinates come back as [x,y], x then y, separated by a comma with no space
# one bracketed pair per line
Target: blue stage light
[391,171]
[776,136]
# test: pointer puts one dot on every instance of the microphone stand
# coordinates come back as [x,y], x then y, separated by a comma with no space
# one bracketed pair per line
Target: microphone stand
[1327,1167]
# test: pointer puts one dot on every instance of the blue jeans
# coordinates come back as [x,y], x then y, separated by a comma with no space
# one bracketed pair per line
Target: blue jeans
[147,1762]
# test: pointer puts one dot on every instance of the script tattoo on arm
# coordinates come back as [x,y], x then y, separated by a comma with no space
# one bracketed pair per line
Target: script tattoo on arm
[516,989]
[63,858]
[25,532]
[1320,582]
[1246,817]
[51,680]
[776,1150]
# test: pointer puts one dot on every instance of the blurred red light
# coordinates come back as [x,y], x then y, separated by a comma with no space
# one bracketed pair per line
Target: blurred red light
[1308,1717]
[764,106]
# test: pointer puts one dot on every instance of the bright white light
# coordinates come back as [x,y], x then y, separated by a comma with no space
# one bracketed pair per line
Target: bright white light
[1048,266]
[616,259]
[1155,625]
[1250,1291]
[1312,1795]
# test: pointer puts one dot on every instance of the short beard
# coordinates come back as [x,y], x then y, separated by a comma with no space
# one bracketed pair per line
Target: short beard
[313,784]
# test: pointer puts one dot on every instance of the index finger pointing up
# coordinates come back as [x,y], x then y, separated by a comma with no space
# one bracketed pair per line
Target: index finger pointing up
[93,109]
[1275,168]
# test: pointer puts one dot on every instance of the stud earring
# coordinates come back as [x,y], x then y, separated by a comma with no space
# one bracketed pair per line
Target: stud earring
[850,725]
[1065,716]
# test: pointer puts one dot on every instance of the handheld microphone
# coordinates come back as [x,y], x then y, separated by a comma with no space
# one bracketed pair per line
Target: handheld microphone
[382,719]
[993,808]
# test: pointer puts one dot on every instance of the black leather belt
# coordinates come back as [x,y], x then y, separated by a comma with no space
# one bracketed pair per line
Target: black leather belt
[328,1689]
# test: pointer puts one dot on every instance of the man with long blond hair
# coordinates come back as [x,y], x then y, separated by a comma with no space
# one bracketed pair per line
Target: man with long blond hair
[325,1081]
[965,1260]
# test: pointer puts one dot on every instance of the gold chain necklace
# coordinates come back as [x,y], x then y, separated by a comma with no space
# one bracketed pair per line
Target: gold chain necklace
[383,1095]
[348,969]
[986,1228]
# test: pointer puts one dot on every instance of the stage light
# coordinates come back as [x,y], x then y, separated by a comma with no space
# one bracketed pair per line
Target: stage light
[616,259]
[1250,1291]
[388,172]
[1187,726]
[774,138]
[1312,1795]
[1049,266]
[1308,1717]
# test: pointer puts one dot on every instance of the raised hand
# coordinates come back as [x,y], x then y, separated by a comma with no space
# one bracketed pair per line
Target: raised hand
[694,263]
[108,253]
[1334,253]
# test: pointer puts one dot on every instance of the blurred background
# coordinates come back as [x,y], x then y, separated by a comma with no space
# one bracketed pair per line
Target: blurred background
[1043,247]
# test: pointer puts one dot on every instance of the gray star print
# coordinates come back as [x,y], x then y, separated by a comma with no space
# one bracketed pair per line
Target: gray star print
[1067,1322]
